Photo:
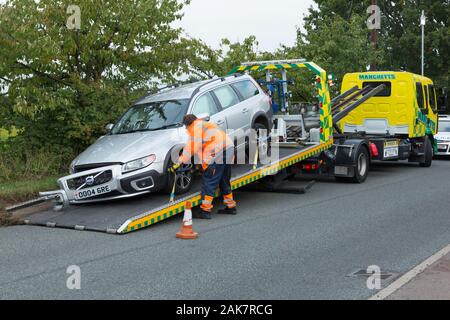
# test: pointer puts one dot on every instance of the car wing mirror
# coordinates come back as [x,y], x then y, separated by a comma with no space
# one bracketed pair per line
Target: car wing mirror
[204,117]
[109,127]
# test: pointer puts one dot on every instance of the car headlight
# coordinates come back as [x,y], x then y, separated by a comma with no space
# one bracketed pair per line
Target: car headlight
[138,164]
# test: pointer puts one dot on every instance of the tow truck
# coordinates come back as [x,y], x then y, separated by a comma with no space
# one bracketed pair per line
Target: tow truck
[304,143]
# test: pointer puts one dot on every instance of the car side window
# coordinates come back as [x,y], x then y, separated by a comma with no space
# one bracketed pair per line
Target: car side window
[226,96]
[205,104]
[246,88]
[420,99]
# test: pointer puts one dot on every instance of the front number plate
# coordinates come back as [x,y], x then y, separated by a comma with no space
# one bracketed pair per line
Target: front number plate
[442,147]
[92,192]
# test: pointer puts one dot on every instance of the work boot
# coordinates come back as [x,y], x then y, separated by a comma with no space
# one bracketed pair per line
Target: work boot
[202,214]
[227,211]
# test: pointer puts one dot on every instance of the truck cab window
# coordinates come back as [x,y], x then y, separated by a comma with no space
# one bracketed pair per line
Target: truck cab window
[432,95]
[419,97]
[387,87]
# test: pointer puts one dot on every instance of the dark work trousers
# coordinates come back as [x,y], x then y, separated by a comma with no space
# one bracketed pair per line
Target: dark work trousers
[216,175]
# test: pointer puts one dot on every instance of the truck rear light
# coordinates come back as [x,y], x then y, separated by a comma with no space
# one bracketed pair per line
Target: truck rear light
[310,166]
[373,149]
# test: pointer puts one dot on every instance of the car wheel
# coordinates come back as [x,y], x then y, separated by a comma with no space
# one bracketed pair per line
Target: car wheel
[264,144]
[184,179]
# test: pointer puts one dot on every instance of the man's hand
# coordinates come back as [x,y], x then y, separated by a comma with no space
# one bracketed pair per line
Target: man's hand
[173,168]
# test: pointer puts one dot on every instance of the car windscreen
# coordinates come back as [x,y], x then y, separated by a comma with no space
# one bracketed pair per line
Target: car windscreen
[444,126]
[152,116]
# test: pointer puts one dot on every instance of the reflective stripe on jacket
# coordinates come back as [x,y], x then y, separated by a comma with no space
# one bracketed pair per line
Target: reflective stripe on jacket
[206,142]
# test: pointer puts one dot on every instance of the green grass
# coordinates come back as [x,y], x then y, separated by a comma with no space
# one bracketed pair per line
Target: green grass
[16,191]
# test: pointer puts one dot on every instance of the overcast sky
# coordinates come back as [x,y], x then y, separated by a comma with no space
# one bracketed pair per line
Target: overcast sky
[273,22]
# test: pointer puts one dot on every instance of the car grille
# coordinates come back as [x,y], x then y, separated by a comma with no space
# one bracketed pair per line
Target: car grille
[86,167]
[98,179]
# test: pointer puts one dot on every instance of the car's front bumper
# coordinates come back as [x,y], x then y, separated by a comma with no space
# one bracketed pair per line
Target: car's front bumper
[443,149]
[108,183]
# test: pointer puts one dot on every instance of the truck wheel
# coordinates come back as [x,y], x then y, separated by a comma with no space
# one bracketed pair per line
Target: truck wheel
[362,165]
[428,154]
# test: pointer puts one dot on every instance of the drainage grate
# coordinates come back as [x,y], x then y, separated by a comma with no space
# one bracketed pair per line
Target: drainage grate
[362,273]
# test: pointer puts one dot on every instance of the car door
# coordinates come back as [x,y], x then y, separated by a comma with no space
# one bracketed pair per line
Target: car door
[236,114]
[250,99]
[206,104]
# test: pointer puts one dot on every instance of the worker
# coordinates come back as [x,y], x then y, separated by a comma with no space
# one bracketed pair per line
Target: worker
[210,146]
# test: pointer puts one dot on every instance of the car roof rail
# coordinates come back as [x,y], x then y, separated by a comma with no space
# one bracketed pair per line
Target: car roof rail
[197,90]
[170,86]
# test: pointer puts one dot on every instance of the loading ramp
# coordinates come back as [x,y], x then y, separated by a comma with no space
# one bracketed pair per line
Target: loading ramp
[128,215]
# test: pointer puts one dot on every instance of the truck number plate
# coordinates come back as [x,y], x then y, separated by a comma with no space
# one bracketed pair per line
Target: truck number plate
[391,152]
[92,192]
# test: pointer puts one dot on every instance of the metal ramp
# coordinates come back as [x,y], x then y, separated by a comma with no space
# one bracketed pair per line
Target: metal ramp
[345,103]
[124,216]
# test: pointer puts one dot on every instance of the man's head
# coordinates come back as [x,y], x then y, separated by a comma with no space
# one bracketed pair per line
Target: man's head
[189,119]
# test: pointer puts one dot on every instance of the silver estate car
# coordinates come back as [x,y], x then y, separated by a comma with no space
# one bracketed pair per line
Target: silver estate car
[133,157]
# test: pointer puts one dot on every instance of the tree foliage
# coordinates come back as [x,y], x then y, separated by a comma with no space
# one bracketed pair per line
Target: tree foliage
[337,35]
[64,85]
[206,62]
[59,87]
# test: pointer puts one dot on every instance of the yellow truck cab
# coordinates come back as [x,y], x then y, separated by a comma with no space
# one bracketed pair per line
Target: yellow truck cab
[406,109]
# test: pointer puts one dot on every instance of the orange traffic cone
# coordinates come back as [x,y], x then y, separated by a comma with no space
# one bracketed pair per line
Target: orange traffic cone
[186,231]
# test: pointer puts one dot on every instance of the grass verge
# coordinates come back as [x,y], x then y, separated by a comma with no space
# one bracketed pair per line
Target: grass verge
[18,191]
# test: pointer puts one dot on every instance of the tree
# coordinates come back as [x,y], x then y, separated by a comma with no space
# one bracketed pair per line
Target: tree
[64,85]
[336,38]
[401,37]
[336,30]
[206,62]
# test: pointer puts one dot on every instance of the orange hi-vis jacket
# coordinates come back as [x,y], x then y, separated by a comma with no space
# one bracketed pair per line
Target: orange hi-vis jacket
[206,143]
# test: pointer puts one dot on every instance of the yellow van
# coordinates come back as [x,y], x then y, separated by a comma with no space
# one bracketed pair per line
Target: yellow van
[406,108]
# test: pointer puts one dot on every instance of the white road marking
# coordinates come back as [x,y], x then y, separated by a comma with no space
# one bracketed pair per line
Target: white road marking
[407,277]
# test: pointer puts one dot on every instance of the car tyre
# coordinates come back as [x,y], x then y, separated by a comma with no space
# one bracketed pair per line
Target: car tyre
[266,146]
[184,182]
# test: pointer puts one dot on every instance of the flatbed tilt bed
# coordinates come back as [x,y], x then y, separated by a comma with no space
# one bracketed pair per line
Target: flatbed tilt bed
[127,215]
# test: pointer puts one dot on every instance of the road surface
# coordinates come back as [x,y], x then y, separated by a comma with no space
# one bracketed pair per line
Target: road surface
[279,246]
